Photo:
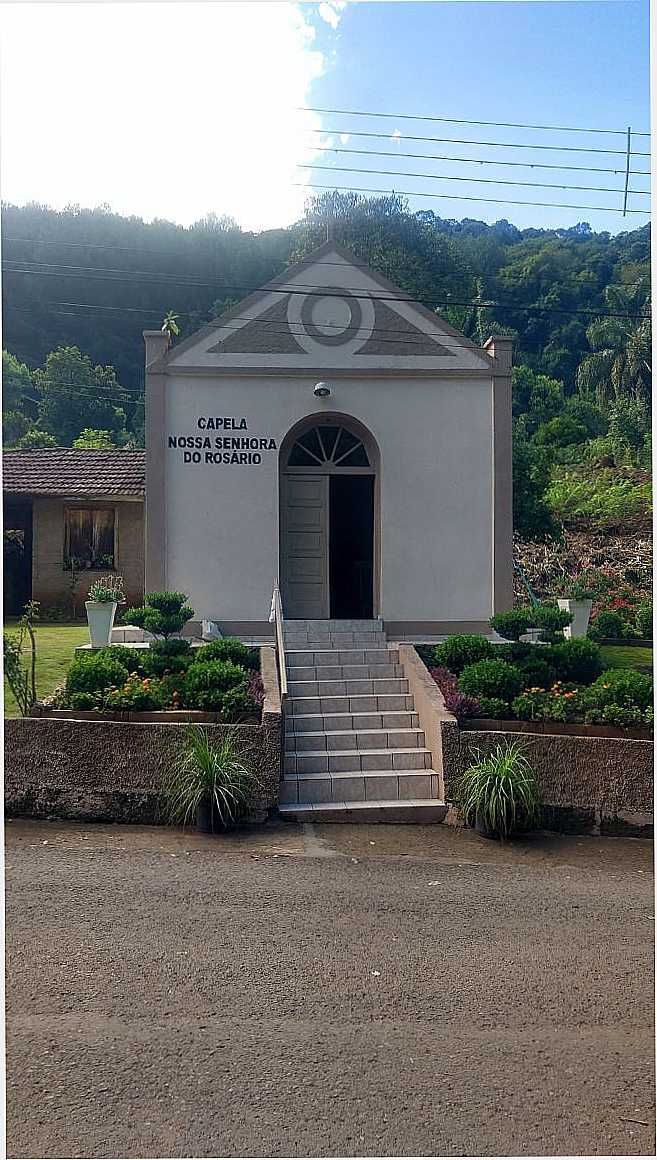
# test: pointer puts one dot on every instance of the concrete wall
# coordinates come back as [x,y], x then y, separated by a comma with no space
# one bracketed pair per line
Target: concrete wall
[436,492]
[112,771]
[51,583]
[590,784]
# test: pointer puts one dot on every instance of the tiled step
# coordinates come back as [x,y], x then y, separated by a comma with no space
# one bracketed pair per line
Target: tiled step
[343,672]
[341,722]
[353,785]
[347,688]
[375,624]
[335,640]
[418,811]
[381,703]
[373,760]
[333,740]
[321,657]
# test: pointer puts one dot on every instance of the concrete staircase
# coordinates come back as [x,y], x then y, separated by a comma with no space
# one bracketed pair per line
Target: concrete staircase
[353,747]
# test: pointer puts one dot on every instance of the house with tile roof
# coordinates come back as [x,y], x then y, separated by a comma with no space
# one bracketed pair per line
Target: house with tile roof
[69,516]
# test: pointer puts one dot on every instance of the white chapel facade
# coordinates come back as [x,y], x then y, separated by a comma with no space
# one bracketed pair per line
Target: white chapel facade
[334,436]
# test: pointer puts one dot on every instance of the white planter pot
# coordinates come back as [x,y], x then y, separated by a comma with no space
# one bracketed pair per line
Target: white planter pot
[581,613]
[100,617]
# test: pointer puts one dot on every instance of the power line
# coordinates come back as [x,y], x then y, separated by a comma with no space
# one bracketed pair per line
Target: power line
[306,290]
[475,160]
[462,197]
[479,180]
[490,144]
[462,121]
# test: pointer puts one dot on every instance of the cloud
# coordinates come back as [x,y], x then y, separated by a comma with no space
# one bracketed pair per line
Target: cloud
[344,137]
[331,11]
[395,135]
[168,110]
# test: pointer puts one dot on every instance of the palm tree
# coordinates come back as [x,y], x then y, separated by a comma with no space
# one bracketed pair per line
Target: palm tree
[619,366]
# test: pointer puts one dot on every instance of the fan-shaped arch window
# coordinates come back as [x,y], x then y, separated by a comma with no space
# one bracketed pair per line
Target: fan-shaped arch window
[328,446]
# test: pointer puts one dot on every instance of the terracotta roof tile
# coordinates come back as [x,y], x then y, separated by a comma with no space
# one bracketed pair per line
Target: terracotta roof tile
[72,472]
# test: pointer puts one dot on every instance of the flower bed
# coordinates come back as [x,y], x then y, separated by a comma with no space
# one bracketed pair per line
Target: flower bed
[168,681]
[563,684]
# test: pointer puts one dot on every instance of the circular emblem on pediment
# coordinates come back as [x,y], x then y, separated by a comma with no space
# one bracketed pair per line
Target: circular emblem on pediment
[331,317]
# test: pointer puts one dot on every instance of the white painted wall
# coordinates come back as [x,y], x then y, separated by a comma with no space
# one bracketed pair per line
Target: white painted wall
[435,441]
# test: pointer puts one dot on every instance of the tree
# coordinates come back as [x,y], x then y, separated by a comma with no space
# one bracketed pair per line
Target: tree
[14,426]
[560,432]
[532,518]
[75,395]
[91,439]
[36,438]
[17,382]
[629,427]
[620,365]
[537,398]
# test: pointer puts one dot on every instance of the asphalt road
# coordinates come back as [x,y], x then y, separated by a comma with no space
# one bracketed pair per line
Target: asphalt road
[351,991]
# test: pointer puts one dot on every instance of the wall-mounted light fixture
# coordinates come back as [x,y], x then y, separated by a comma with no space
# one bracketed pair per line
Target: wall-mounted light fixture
[321,390]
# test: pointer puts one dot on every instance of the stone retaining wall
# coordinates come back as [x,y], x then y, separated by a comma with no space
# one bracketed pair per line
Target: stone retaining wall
[111,771]
[598,785]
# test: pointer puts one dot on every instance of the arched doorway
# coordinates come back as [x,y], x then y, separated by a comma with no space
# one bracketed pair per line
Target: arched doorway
[329,529]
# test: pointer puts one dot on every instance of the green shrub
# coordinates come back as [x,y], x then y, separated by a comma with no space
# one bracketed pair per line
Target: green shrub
[95,671]
[236,703]
[607,625]
[458,651]
[491,678]
[622,687]
[131,658]
[162,613]
[649,717]
[228,649]
[512,625]
[578,660]
[82,701]
[630,716]
[168,656]
[493,707]
[205,684]
[551,620]
[537,670]
[644,620]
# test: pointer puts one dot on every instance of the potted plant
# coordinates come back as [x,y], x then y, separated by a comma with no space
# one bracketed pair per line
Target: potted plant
[105,594]
[209,783]
[579,604]
[499,794]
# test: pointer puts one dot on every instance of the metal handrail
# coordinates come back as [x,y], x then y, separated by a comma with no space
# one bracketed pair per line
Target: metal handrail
[280,639]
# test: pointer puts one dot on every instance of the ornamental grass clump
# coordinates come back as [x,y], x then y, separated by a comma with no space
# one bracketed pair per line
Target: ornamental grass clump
[499,793]
[211,775]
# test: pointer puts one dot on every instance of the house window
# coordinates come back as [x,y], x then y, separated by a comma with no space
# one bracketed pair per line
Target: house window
[89,537]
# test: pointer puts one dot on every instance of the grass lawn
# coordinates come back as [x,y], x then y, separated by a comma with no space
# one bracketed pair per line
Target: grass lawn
[55,648]
[627,656]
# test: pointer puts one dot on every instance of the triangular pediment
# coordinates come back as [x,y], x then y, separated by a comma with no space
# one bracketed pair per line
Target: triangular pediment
[328,311]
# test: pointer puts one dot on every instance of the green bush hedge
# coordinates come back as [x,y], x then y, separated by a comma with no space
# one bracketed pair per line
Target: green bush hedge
[607,625]
[458,651]
[491,678]
[578,660]
[228,649]
[206,684]
[95,671]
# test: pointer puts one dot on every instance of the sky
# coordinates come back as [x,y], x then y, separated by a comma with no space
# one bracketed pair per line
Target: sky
[174,110]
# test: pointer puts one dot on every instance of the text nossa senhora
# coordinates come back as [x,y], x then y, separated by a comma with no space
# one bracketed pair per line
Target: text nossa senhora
[240,450]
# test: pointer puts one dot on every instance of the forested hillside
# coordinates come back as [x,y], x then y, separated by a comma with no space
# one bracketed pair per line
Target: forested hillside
[81,285]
